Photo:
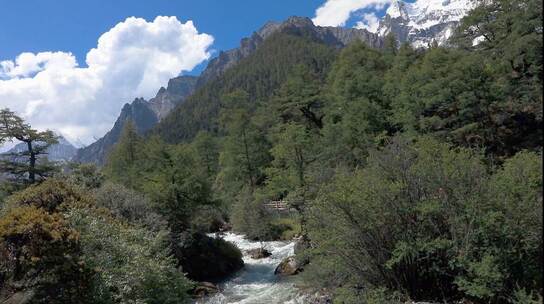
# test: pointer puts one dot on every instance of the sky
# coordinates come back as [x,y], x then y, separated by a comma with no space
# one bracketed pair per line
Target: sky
[70,66]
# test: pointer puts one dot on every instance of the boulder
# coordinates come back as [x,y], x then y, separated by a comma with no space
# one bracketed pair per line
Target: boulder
[258,253]
[287,267]
[204,289]
[204,258]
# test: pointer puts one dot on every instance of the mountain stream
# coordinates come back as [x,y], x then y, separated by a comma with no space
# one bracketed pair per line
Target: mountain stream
[256,282]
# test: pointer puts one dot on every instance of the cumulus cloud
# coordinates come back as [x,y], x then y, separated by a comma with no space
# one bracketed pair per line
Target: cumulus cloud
[370,22]
[337,12]
[133,59]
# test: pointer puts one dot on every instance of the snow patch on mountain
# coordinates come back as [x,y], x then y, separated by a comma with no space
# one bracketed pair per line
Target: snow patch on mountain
[424,21]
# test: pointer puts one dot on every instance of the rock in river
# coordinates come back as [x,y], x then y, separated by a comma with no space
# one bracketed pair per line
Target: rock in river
[258,253]
[287,267]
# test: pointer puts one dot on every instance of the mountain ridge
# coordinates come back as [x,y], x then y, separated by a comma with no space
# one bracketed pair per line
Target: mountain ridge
[399,19]
[144,113]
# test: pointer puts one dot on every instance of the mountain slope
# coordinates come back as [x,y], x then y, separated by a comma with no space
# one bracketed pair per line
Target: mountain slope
[145,114]
[193,117]
[298,26]
[259,67]
[424,21]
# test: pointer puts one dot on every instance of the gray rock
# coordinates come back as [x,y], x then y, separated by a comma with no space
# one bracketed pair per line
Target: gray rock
[204,289]
[288,267]
[258,253]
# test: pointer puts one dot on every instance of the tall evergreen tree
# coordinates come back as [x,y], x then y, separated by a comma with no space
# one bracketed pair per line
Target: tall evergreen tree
[27,165]
[122,161]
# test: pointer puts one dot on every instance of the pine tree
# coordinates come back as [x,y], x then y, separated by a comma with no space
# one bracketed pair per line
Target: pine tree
[122,161]
[28,165]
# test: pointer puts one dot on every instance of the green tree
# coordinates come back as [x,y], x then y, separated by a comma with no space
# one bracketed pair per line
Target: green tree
[27,164]
[356,110]
[509,33]
[245,148]
[206,148]
[123,160]
[169,178]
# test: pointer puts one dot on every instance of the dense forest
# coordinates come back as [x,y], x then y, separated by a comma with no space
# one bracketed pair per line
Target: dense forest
[413,175]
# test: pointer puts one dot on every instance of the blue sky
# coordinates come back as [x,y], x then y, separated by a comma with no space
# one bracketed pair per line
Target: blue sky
[44,45]
[74,26]
[68,25]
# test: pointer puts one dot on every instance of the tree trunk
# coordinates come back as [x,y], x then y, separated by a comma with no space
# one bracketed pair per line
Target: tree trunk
[32,167]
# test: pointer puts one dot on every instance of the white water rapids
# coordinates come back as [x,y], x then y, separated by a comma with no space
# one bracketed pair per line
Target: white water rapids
[256,282]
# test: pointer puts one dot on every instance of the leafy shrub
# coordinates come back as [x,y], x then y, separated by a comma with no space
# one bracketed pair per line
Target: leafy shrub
[429,220]
[40,255]
[204,258]
[133,264]
[287,227]
[49,195]
[207,219]
[86,175]
[129,205]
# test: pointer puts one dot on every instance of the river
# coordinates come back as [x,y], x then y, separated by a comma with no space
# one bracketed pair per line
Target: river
[256,282]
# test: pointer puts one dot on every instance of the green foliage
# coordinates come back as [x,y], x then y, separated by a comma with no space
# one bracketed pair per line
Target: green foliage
[249,216]
[27,166]
[245,148]
[356,111]
[287,227]
[423,218]
[165,173]
[129,205]
[40,256]
[87,176]
[206,150]
[260,74]
[52,195]
[122,162]
[133,264]
[204,258]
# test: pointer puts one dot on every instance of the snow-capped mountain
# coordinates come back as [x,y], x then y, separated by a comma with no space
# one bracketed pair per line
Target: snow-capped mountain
[424,21]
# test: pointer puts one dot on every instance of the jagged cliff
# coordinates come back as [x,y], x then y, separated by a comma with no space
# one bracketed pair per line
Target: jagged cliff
[145,114]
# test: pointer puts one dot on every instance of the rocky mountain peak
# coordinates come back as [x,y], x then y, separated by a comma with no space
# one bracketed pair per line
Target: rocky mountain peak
[424,21]
[145,114]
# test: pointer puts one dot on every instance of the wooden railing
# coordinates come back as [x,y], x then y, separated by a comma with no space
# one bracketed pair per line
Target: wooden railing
[280,205]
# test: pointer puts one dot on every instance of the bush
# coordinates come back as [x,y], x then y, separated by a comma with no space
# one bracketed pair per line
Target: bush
[204,258]
[86,175]
[49,195]
[287,227]
[129,205]
[207,219]
[133,264]
[429,220]
[40,256]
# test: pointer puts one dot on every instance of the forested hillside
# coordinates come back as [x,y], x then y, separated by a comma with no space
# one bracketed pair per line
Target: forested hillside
[259,75]
[410,175]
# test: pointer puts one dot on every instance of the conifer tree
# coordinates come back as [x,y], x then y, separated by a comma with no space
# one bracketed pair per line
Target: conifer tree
[121,163]
[27,165]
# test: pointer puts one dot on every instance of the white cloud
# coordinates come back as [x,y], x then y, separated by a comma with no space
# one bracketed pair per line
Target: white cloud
[370,22]
[133,59]
[337,12]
